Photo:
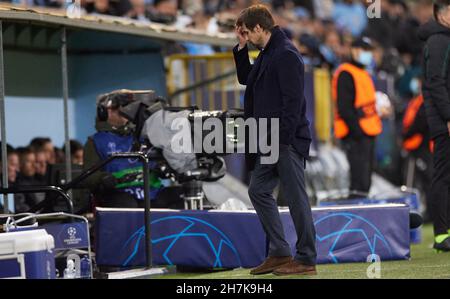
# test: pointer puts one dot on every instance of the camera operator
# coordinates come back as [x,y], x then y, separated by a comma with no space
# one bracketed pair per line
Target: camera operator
[119,184]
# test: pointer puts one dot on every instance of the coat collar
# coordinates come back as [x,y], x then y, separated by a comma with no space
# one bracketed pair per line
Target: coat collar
[276,37]
[275,40]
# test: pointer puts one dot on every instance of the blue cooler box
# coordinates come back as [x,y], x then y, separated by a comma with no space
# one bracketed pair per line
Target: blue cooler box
[27,254]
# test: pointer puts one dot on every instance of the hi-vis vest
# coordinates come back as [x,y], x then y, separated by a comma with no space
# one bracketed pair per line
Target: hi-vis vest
[369,121]
[414,142]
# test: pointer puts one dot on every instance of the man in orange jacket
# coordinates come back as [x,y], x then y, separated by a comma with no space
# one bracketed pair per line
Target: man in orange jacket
[356,121]
[418,144]
[415,128]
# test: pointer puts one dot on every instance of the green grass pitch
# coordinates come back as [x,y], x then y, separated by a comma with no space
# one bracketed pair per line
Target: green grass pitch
[424,263]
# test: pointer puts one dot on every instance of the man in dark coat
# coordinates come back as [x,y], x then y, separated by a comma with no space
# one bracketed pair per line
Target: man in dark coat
[436,92]
[275,85]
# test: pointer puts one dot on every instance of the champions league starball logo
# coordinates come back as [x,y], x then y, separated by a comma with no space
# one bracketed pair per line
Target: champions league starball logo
[72,231]
[179,234]
[73,238]
[112,148]
[349,228]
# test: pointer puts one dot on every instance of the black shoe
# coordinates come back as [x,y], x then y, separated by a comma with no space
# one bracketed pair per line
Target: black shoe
[415,220]
[444,246]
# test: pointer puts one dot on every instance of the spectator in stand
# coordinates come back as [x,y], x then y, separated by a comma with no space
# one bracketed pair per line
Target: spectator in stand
[399,11]
[410,46]
[306,4]
[350,16]
[50,3]
[138,11]
[27,166]
[200,21]
[164,11]
[422,10]
[41,175]
[60,157]
[191,7]
[332,50]
[13,165]
[102,7]
[76,152]
[309,48]
[26,177]
[44,144]
[13,168]
[323,9]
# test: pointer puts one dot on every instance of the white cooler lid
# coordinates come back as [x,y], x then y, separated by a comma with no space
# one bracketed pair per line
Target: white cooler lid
[26,241]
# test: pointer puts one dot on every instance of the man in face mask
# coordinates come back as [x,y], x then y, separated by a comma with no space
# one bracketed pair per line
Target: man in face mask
[356,121]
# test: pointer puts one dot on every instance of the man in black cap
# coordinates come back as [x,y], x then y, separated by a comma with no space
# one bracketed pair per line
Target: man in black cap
[356,121]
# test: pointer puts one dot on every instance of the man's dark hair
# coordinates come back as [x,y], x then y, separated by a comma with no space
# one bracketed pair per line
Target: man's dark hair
[438,6]
[74,146]
[157,2]
[23,151]
[38,143]
[9,151]
[256,15]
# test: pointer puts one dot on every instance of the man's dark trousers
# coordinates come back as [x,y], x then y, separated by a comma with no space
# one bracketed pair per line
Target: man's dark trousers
[440,193]
[289,171]
[360,155]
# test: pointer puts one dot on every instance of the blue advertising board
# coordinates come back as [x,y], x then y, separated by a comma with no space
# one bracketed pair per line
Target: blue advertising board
[220,239]
[410,199]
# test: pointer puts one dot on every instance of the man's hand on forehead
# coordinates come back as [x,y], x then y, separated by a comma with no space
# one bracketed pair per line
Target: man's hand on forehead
[244,31]
[242,37]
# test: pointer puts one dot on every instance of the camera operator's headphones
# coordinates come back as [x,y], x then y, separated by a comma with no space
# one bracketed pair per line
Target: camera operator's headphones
[113,100]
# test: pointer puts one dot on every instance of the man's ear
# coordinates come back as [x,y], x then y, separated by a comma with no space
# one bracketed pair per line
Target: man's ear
[258,29]
[440,19]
